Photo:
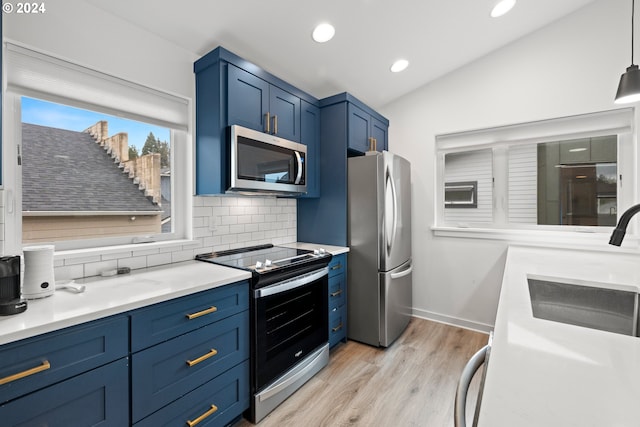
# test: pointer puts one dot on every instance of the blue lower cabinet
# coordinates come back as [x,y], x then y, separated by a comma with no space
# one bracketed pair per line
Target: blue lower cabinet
[98,397]
[216,403]
[337,299]
[167,371]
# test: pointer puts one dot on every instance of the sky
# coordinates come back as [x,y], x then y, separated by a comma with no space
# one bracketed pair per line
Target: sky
[60,116]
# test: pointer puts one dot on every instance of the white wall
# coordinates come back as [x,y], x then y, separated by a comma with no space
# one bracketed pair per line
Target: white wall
[570,67]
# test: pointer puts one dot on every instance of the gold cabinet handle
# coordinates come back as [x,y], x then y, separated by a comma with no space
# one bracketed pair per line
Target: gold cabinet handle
[210,310]
[202,358]
[336,267]
[275,125]
[45,365]
[210,412]
[267,119]
[336,293]
[337,328]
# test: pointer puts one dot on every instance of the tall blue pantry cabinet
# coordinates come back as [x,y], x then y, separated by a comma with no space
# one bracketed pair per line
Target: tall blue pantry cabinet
[347,128]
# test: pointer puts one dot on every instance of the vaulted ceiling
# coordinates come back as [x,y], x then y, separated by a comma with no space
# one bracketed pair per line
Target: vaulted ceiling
[435,36]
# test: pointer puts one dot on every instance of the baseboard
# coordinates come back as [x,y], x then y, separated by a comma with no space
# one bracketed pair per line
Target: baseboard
[453,321]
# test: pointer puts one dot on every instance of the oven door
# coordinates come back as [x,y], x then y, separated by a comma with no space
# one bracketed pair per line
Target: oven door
[266,163]
[290,322]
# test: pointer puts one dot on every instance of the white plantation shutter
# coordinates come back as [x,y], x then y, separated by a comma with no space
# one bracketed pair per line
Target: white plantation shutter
[42,76]
[523,184]
[471,166]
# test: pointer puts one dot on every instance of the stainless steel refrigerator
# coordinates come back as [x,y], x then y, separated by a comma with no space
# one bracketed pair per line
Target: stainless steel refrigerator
[379,237]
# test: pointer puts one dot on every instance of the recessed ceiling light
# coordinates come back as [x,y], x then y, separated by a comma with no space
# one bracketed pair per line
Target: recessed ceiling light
[323,33]
[502,7]
[399,65]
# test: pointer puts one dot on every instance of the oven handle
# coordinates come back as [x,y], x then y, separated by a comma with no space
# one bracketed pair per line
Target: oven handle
[287,285]
[276,388]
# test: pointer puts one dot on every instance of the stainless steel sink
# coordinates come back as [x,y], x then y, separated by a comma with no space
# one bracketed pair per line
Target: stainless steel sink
[593,307]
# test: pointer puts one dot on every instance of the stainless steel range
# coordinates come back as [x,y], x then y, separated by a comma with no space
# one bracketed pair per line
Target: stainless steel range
[289,318]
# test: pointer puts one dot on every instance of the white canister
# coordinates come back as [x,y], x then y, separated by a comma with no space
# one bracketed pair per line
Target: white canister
[39,280]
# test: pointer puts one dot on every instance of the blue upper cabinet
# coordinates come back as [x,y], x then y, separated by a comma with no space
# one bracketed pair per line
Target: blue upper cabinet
[258,105]
[367,129]
[347,127]
[310,133]
[233,91]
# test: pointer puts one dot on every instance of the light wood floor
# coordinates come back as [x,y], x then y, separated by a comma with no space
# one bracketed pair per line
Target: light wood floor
[412,383]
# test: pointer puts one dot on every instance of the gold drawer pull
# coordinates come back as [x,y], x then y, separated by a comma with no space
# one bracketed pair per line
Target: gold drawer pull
[337,266]
[336,293]
[202,313]
[210,412]
[337,328]
[45,365]
[202,358]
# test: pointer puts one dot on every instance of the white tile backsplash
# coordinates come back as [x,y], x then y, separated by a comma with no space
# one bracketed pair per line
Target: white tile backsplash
[237,221]
[219,223]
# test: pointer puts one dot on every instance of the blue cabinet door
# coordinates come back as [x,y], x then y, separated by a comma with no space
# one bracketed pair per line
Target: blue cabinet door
[310,136]
[359,124]
[248,99]
[379,132]
[284,109]
[98,397]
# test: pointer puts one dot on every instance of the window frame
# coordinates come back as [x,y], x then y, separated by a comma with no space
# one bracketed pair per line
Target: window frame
[181,172]
[619,122]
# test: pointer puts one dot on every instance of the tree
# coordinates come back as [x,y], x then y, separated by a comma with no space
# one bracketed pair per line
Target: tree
[154,145]
[133,152]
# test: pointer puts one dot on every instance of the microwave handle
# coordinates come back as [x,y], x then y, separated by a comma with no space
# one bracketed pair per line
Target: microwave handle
[299,175]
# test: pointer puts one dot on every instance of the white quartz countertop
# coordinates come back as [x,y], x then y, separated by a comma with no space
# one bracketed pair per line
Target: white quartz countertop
[106,296]
[545,373]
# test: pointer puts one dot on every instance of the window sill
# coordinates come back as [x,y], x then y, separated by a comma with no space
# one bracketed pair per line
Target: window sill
[153,247]
[578,240]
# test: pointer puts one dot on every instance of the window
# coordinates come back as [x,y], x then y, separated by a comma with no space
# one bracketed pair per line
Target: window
[87,175]
[563,174]
[100,161]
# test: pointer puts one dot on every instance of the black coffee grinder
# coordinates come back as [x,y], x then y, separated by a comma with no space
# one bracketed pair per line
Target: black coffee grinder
[10,300]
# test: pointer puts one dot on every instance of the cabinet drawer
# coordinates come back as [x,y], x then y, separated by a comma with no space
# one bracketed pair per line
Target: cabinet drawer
[98,397]
[167,320]
[162,373]
[37,362]
[337,290]
[338,264]
[216,403]
[337,325]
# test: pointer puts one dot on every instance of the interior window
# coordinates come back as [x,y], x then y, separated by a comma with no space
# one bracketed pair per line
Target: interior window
[577,181]
[88,175]
[567,173]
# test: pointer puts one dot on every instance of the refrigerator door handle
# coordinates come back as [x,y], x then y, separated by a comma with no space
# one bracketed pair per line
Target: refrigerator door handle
[391,185]
[402,273]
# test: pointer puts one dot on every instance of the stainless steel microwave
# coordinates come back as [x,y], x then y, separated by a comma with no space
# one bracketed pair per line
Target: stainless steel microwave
[266,164]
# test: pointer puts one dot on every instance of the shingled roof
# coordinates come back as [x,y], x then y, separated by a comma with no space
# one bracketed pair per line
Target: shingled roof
[68,171]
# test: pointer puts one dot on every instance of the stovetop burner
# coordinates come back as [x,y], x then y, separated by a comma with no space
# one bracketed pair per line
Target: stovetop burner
[269,261]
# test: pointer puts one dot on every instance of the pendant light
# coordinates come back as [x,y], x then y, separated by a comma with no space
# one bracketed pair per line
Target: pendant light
[629,87]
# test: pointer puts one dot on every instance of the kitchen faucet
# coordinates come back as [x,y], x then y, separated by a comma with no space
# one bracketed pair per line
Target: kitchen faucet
[621,228]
